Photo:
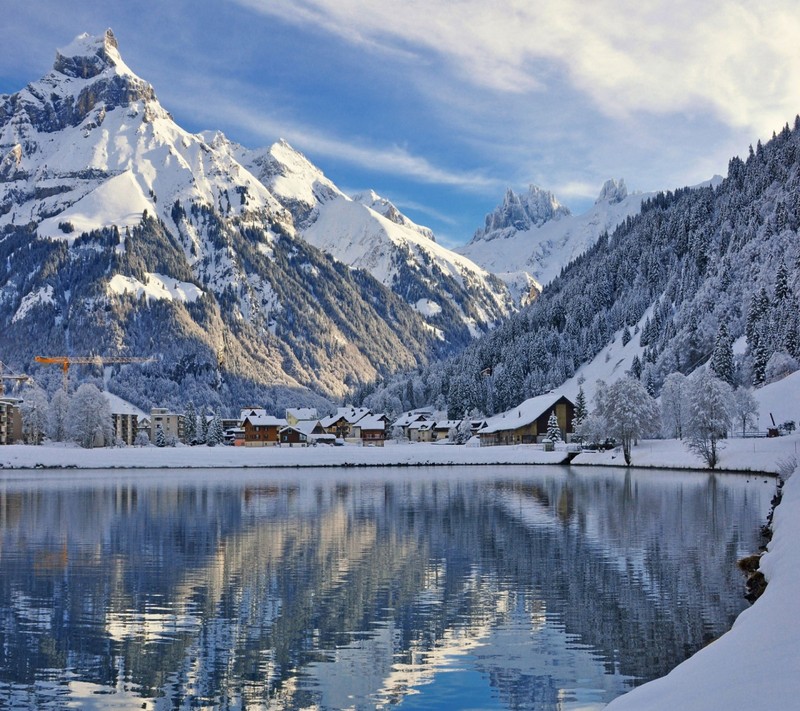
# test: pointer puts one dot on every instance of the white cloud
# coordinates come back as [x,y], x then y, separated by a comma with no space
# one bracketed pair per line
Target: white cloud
[393,159]
[735,59]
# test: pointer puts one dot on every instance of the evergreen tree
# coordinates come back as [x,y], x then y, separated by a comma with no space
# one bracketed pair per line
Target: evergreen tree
[161,437]
[722,356]
[581,410]
[636,367]
[553,430]
[216,434]
[190,424]
[202,430]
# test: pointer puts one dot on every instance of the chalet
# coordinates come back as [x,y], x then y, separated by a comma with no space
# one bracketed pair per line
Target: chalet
[421,431]
[262,430]
[251,412]
[442,429]
[527,423]
[371,430]
[300,414]
[341,423]
[409,418]
[304,433]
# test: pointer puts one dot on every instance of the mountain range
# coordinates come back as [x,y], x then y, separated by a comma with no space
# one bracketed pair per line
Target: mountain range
[248,273]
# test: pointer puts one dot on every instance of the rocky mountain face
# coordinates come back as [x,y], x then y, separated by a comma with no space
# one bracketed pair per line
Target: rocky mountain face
[528,239]
[456,298]
[121,233]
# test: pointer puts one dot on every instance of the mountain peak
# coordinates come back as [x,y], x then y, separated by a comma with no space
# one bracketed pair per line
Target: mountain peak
[88,55]
[612,192]
[520,212]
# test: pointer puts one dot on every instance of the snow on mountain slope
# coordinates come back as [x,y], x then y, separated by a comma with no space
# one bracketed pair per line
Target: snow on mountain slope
[370,233]
[89,144]
[532,237]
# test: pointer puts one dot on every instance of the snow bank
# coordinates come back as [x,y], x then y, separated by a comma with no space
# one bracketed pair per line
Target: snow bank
[737,454]
[418,454]
[755,665]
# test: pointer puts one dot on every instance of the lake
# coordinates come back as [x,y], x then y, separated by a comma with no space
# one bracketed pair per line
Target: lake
[412,588]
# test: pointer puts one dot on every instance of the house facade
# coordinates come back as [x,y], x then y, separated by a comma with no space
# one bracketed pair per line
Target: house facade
[370,431]
[10,420]
[262,430]
[528,423]
[126,426]
[171,423]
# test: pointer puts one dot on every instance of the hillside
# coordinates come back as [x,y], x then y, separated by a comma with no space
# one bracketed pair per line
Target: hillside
[122,233]
[666,279]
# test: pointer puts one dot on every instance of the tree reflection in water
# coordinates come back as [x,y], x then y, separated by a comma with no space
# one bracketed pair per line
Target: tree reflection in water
[534,588]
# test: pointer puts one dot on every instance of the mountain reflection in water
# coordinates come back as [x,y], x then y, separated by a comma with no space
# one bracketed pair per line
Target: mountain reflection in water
[521,588]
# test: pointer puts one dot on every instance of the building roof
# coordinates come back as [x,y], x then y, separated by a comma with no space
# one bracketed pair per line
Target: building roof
[408,418]
[351,415]
[422,425]
[447,425]
[301,413]
[372,422]
[251,411]
[522,415]
[265,421]
[306,426]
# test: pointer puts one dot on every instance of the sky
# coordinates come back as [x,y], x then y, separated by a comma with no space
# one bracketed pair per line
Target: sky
[442,106]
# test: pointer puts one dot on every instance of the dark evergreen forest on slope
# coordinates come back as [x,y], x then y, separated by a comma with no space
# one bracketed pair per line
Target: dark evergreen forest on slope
[699,258]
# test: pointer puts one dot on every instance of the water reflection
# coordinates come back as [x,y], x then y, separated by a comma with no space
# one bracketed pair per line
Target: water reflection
[538,588]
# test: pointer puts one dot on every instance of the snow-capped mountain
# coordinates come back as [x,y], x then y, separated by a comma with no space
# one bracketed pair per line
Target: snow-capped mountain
[528,238]
[120,232]
[457,298]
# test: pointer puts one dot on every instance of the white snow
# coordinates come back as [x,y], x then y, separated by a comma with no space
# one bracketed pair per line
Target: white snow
[157,287]
[427,307]
[118,201]
[44,295]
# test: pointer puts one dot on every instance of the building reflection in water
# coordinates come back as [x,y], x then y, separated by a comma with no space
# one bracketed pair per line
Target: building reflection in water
[538,588]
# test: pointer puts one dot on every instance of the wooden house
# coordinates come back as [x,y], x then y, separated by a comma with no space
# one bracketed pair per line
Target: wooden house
[262,430]
[528,422]
[371,430]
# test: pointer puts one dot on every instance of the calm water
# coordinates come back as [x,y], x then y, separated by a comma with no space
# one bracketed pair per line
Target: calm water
[517,588]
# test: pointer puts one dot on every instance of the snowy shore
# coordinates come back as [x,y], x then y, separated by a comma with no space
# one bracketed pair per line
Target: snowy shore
[757,455]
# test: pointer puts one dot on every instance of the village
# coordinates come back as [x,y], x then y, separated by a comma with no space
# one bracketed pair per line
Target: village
[540,420]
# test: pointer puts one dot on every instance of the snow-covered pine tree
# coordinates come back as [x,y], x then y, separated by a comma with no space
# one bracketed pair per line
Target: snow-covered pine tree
[161,437]
[190,424]
[581,411]
[553,430]
[722,356]
[216,435]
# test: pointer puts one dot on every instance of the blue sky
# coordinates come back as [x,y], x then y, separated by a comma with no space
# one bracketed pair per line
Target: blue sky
[441,105]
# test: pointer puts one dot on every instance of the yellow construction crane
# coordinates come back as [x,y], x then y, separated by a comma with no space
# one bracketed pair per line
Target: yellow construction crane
[66,361]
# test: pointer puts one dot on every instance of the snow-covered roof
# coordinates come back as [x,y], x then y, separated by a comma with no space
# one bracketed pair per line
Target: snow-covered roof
[265,421]
[301,413]
[372,422]
[350,415]
[523,414]
[251,412]
[410,417]
[422,425]
[122,407]
[447,424]
[306,426]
